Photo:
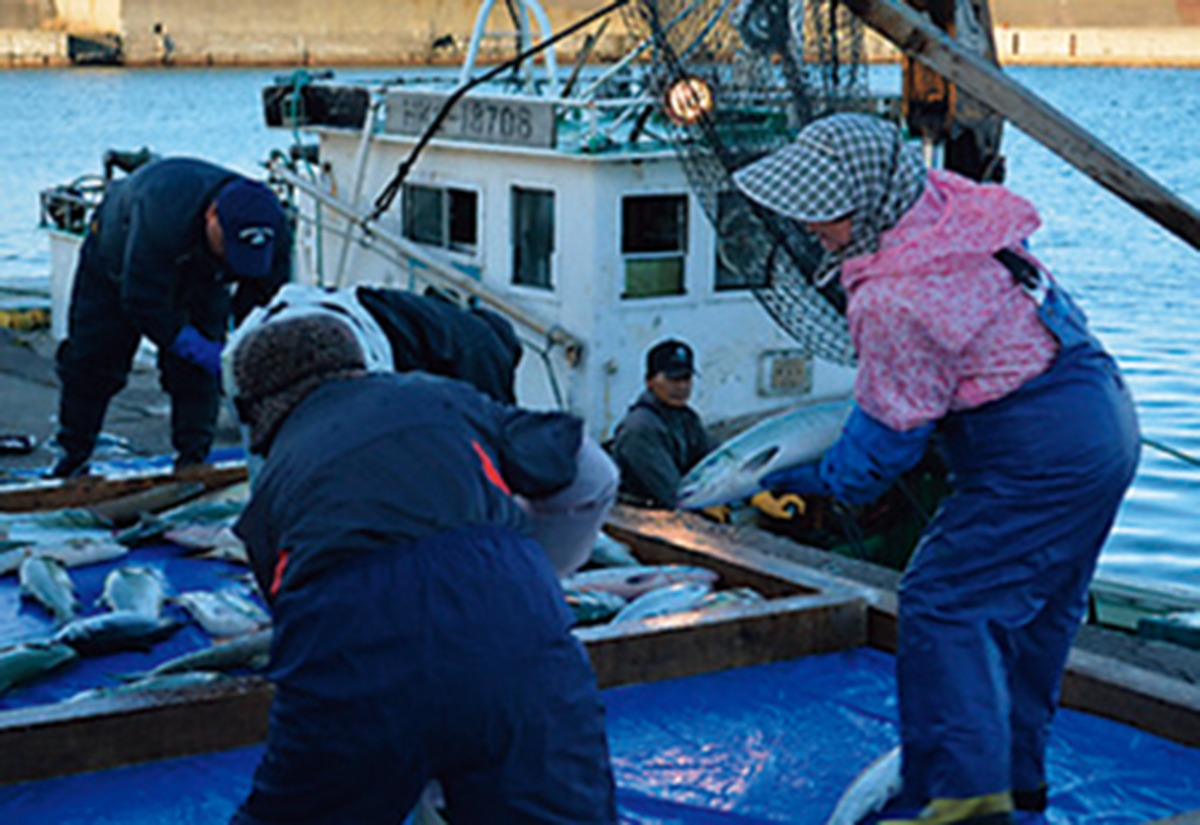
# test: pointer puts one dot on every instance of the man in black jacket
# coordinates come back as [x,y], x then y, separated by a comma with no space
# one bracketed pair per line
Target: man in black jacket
[661,437]
[161,252]
[402,331]
[420,630]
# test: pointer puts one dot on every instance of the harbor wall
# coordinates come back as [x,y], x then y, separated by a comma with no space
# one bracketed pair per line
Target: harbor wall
[1081,46]
[24,48]
[397,32]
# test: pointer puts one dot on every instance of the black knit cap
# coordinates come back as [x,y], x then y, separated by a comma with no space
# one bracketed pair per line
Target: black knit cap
[277,365]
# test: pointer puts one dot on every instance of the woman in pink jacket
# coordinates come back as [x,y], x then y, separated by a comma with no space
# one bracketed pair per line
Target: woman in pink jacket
[961,335]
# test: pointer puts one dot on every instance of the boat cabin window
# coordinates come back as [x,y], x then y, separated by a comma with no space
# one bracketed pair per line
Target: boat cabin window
[441,216]
[532,237]
[739,263]
[653,244]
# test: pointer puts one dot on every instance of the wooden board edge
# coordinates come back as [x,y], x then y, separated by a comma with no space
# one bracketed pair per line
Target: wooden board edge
[689,644]
[86,490]
[99,734]
[1152,702]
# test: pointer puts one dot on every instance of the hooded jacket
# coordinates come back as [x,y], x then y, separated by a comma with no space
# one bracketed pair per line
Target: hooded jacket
[938,323]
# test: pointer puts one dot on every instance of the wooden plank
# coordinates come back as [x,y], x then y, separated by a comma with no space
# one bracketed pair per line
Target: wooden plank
[688,644]
[920,39]
[98,734]
[1166,707]
[87,490]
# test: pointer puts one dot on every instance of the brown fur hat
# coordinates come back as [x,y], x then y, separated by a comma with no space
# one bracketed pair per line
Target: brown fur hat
[280,363]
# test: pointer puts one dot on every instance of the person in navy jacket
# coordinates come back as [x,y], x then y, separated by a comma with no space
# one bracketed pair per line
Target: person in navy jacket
[420,631]
[162,251]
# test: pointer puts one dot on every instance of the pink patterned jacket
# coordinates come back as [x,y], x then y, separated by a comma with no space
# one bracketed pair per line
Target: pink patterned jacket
[938,323]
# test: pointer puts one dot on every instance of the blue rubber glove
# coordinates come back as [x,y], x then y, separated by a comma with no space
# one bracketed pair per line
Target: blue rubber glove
[867,457]
[191,346]
[803,479]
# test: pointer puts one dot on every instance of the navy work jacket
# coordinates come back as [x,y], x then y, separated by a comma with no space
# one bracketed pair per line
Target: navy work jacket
[377,462]
[148,234]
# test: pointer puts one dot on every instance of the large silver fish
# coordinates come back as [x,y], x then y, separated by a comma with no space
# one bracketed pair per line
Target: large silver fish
[23,662]
[869,791]
[735,469]
[631,582]
[674,598]
[119,630]
[46,581]
[72,553]
[250,651]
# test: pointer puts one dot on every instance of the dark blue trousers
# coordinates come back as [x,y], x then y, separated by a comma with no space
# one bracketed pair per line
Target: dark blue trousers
[997,588]
[93,365]
[449,658]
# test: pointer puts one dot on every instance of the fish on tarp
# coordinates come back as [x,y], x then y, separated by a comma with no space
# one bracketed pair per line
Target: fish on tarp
[870,791]
[592,606]
[136,589]
[29,660]
[47,582]
[734,470]
[72,553]
[674,598]
[216,541]
[125,510]
[248,652]
[217,507]
[608,552]
[222,613]
[119,630]
[631,582]
[168,681]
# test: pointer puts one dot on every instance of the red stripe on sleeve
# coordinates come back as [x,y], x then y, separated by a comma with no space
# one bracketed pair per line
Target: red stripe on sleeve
[280,566]
[489,469]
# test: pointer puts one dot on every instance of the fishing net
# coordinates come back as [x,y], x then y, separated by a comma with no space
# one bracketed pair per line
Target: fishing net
[739,79]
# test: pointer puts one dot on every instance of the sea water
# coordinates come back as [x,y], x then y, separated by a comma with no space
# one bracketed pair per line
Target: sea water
[1139,284]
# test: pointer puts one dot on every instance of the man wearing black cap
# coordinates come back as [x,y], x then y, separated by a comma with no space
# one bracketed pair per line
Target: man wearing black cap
[661,437]
[161,252]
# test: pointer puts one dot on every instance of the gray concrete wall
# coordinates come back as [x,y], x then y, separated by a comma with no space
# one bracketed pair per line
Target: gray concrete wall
[25,14]
[342,32]
[22,48]
[311,31]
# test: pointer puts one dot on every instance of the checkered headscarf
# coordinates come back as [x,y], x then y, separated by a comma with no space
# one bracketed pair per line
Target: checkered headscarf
[844,164]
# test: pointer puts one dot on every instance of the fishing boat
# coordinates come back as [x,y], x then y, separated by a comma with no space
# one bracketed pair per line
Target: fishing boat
[791,694]
[568,201]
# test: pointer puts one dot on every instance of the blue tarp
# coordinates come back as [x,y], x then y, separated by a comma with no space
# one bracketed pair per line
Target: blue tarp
[769,744]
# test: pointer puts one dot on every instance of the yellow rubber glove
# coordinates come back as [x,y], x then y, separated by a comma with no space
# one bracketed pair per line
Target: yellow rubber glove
[783,506]
[720,513]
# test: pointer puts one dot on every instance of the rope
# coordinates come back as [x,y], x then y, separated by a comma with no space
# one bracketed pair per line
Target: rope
[1171,451]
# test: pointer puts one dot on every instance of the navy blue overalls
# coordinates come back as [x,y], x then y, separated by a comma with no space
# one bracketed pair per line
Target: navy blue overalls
[419,633]
[145,269]
[997,588]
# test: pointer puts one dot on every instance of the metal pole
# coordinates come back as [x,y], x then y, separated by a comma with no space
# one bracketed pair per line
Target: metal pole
[917,37]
